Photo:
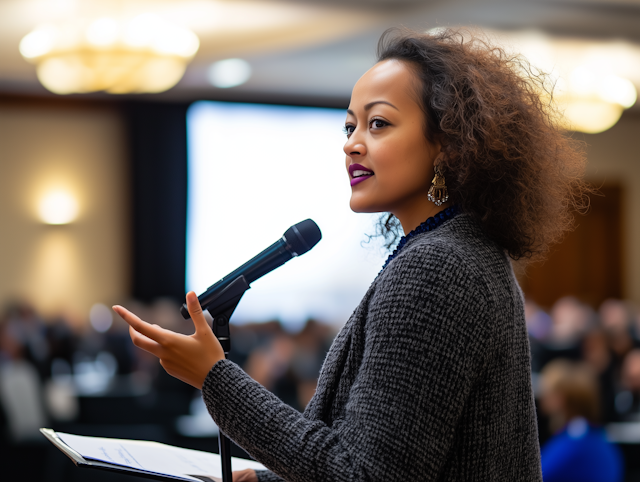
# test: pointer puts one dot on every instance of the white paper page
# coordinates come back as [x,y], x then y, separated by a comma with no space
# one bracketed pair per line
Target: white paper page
[152,456]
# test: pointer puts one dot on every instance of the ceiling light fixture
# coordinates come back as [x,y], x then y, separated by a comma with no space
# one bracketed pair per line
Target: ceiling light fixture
[143,54]
[589,78]
[592,101]
[592,81]
[229,73]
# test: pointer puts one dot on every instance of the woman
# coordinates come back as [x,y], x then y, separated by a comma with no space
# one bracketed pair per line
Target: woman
[430,377]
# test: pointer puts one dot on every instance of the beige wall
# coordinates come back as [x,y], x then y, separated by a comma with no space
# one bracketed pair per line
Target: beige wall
[79,148]
[614,156]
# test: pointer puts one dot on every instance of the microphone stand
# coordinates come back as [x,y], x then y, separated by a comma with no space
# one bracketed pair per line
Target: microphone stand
[221,308]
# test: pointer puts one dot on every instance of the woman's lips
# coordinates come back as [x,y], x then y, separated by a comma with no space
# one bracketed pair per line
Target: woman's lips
[359,173]
[356,180]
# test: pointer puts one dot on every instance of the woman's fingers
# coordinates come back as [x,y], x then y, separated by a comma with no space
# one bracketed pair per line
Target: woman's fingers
[195,310]
[247,475]
[150,331]
[147,344]
[188,358]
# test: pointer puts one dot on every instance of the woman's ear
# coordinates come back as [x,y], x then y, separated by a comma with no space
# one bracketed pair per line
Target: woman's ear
[440,143]
[437,150]
[437,162]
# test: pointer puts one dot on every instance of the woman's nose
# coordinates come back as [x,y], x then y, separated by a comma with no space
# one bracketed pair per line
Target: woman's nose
[354,147]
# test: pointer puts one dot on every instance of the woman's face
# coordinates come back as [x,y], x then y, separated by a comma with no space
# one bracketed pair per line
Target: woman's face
[389,160]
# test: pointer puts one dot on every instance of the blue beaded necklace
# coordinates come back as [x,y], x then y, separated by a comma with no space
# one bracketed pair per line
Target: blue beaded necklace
[429,225]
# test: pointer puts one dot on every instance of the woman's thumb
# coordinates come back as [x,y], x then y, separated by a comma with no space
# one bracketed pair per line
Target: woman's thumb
[195,310]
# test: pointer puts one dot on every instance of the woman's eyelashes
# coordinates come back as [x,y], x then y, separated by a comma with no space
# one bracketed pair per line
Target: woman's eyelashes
[348,129]
[374,124]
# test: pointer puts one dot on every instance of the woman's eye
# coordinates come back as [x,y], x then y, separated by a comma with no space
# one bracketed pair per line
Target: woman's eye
[348,129]
[378,123]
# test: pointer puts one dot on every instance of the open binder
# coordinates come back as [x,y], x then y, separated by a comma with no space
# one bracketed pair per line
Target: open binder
[152,460]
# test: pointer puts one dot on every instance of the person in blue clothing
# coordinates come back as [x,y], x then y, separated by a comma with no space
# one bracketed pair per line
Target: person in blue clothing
[579,451]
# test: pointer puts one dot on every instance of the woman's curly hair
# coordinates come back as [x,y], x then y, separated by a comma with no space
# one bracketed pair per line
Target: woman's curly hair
[505,158]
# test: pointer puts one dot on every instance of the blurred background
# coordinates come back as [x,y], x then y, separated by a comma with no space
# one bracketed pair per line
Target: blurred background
[150,147]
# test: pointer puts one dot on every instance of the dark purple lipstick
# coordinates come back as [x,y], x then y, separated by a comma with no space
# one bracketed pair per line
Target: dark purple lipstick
[359,173]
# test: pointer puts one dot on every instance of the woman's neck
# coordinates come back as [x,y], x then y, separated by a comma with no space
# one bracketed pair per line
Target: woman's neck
[412,217]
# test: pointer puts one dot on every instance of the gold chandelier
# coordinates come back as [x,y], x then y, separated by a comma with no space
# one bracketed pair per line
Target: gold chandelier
[593,82]
[143,54]
[592,101]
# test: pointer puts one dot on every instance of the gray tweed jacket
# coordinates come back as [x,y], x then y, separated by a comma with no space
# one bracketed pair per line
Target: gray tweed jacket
[428,380]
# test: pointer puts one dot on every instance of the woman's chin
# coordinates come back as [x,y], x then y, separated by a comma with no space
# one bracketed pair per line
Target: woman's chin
[361,206]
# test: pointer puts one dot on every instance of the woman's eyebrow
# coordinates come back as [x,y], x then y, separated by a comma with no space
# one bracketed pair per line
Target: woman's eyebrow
[371,104]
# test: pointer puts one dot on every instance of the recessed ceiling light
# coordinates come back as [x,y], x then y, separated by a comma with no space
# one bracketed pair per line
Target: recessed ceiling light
[229,73]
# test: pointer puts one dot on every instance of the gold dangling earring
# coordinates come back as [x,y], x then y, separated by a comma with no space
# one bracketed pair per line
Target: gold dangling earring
[438,193]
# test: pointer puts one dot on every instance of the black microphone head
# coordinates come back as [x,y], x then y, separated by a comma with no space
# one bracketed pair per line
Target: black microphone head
[303,236]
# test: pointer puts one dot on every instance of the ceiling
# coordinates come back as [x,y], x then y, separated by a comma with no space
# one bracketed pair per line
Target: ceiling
[308,49]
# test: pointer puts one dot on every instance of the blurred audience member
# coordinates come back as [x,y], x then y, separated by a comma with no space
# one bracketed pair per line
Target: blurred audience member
[312,344]
[30,331]
[628,400]
[269,365]
[579,451]
[245,340]
[570,320]
[20,389]
[598,356]
[539,327]
[287,364]
[636,326]
[539,323]
[615,319]
[118,343]
[62,340]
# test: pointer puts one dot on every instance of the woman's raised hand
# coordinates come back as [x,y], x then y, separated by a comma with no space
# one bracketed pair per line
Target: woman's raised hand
[186,357]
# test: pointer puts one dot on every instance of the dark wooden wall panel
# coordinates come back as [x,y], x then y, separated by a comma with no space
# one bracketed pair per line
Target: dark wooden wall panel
[588,263]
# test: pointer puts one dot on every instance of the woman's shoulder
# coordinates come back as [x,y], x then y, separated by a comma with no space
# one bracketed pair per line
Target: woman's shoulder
[459,247]
[433,288]
[445,264]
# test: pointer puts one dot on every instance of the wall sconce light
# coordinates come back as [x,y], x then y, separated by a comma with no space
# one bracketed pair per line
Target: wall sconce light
[58,207]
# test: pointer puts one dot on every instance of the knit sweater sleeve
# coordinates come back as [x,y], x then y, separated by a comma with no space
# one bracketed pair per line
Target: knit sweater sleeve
[426,335]
[267,476]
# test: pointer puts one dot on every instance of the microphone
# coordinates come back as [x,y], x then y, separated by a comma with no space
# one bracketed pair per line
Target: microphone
[297,240]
